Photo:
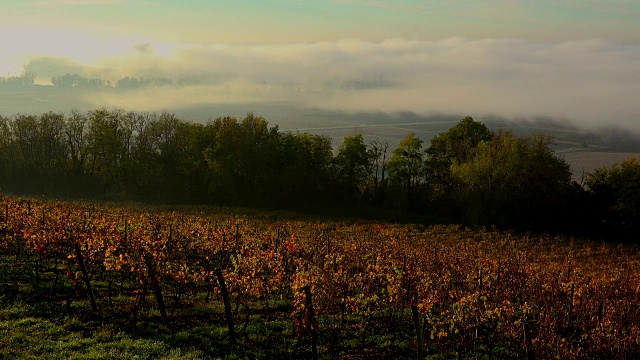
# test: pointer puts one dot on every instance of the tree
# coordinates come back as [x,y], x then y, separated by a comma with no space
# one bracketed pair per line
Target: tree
[40,140]
[615,195]
[52,143]
[75,131]
[69,81]
[406,172]
[158,156]
[305,169]
[107,150]
[26,135]
[243,159]
[7,157]
[259,155]
[223,158]
[406,163]
[27,78]
[512,181]
[352,167]
[40,150]
[456,145]
[378,161]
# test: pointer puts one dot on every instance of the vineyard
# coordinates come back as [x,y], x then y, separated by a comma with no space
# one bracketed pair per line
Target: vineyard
[287,288]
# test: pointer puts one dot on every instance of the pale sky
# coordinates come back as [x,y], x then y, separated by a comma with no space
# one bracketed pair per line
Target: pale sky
[573,59]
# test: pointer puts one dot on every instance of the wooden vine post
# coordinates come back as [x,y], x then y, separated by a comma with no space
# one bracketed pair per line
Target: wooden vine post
[409,288]
[528,344]
[155,286]
[32,276]
[85,276]
[227,305]
[419,336]
[311,317]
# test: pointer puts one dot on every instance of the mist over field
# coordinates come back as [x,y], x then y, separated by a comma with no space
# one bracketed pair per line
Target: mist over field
[588,83]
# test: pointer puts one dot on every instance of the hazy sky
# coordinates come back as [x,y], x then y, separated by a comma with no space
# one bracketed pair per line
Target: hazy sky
[572,59]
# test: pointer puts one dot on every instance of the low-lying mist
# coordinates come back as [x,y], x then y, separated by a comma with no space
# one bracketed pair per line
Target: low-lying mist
[590,83]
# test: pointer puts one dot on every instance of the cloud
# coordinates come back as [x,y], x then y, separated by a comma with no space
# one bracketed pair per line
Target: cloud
[405,6]
[588,82]
[55,66]
[472,8]
[75,2]
[430,7]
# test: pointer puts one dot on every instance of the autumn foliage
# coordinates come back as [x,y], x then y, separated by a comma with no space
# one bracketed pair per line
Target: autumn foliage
[479,292]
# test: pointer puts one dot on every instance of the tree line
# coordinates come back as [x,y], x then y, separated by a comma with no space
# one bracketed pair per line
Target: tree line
[27,78]
[80,82]
[468,173]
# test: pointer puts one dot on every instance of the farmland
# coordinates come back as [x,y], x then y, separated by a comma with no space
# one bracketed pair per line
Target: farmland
[95,281]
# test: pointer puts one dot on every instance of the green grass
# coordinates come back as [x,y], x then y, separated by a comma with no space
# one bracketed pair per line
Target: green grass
[26,332]
[47,330]
[24,336]
[53,330]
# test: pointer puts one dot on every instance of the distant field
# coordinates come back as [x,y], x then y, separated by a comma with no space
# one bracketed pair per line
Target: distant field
[584,151]
[587,161]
